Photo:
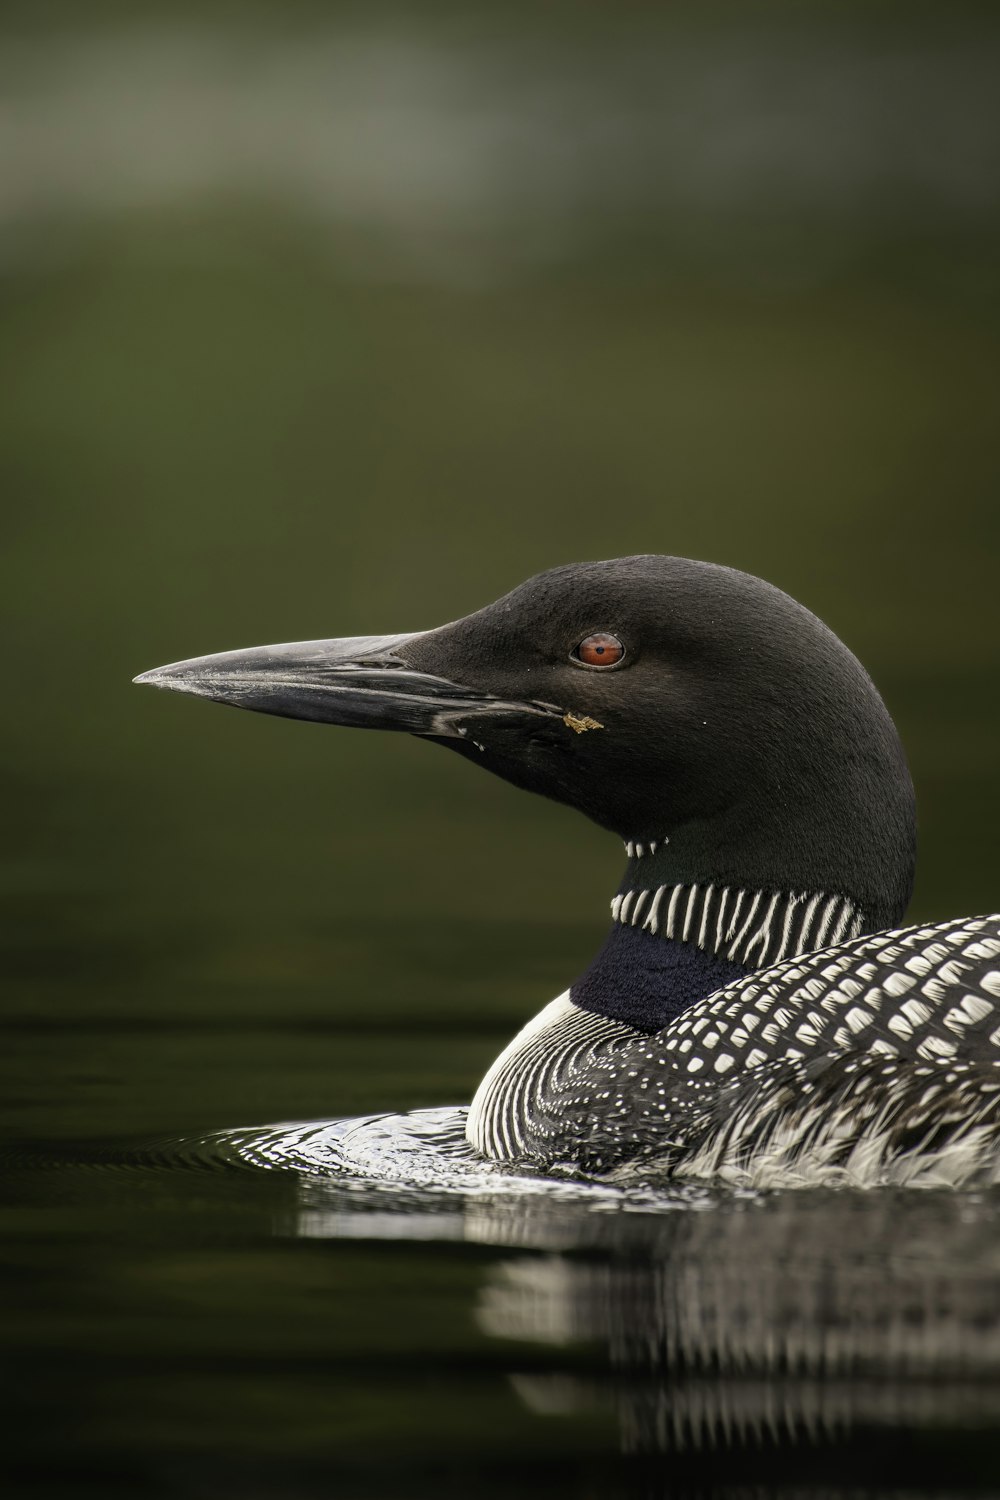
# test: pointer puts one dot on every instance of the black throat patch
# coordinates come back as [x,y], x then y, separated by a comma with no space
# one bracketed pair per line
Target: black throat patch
[646,981]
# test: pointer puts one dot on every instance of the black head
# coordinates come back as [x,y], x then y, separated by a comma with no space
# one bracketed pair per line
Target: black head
[671,701]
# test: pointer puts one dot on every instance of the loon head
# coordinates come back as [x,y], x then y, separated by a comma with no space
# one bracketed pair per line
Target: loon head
[698,712]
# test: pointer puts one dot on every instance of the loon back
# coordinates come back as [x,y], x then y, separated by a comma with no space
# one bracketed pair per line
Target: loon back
[738,1022]
[877,1061]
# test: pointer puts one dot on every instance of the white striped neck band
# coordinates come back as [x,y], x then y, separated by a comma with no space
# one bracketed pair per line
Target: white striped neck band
[752,928]
[636,850]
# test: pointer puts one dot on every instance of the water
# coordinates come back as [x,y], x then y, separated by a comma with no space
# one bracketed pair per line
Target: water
[359,1306]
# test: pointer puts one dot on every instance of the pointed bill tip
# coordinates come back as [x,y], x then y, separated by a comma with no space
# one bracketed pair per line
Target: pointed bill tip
[176,676]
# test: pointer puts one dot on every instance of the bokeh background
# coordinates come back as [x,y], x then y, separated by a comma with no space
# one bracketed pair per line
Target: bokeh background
[333,319]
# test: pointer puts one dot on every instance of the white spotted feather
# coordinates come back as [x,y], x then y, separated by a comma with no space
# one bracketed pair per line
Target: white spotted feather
[877,1061]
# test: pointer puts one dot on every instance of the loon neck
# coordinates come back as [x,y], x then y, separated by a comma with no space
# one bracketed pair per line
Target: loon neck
[752,928]
[673,943]
[646,982]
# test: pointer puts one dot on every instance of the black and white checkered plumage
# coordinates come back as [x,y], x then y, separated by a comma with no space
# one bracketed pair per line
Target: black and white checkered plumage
[876,1061]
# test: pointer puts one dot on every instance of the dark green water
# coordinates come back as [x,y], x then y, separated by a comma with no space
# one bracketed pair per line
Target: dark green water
[316,323]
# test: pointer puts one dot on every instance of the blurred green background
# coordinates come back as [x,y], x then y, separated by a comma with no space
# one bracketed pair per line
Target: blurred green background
[325,320]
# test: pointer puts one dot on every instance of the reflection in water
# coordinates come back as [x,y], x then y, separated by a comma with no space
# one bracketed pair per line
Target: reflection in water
[789,1320]
[719,1319]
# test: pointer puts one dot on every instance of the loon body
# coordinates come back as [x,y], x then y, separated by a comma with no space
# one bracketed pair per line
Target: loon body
[756,1015]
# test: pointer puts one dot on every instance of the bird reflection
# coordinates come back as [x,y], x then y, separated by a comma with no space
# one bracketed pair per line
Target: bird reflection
[723,1321]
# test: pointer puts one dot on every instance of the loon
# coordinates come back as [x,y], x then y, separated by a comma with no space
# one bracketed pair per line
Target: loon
[756,1015]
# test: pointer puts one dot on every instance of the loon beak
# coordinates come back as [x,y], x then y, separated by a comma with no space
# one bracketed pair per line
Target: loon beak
[359,681]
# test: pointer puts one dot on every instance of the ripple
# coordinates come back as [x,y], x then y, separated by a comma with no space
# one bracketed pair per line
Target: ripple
[400,1176]
[414,1176]
[427,1147]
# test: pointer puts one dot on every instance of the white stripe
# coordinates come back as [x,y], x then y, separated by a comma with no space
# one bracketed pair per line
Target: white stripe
[723,898]
[786,931]
[735,916]
[481,1124]
[805,942]
[746,925]
[705,914]
[840,930]
[504,1104]
[551,1038]
[654,911]
[826,919]
[498,1112]
[675,897]
[763,931]
[692,900]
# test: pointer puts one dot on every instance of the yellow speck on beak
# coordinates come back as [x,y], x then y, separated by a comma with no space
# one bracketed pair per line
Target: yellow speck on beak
[580,723]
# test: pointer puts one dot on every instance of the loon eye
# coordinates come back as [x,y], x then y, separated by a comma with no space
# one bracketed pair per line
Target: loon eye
[600,650]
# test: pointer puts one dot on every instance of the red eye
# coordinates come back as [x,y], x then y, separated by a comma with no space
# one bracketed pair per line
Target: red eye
[600,650]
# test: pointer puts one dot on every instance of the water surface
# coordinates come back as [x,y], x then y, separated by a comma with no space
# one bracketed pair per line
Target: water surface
[359,1306]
